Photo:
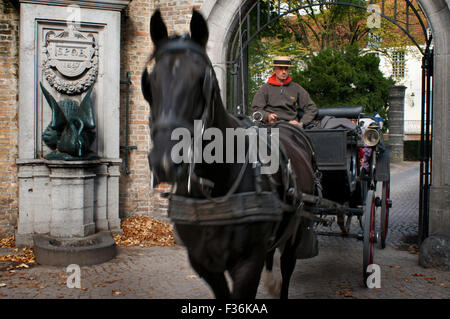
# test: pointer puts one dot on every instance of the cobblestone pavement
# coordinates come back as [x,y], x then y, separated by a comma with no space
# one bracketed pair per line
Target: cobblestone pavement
[336,273]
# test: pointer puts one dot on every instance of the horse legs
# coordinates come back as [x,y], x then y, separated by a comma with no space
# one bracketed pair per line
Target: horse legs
[288,260]
[272,279]
[246,276]
[215,280]
[218,284]
[269,260]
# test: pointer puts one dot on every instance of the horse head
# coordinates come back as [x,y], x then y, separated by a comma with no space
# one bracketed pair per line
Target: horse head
[178,90]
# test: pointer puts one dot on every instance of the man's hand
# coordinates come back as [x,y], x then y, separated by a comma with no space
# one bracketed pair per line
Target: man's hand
[272,117]
[296,123]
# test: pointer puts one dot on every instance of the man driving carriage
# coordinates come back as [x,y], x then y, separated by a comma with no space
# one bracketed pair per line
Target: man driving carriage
[281,98]
[282,101]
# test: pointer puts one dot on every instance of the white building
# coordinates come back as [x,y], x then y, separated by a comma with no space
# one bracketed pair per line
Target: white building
[406,69]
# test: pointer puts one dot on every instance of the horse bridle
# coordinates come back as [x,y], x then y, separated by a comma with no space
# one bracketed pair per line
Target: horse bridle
[184,44]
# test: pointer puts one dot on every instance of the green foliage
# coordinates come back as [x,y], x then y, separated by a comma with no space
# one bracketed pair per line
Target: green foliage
[345,76]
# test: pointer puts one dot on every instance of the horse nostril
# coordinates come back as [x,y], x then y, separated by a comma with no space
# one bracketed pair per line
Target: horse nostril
[162,166]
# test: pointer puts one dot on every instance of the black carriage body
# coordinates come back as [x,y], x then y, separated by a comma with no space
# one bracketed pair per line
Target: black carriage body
[337,158]
[331,147]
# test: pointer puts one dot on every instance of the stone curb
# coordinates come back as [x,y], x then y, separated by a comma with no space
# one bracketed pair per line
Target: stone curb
[90,250]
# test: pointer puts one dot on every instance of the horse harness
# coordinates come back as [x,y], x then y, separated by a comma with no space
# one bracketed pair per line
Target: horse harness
[237,208]
[233,208]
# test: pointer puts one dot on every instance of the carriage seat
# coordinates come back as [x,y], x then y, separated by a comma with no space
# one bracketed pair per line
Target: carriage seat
[334,117]
[350,112]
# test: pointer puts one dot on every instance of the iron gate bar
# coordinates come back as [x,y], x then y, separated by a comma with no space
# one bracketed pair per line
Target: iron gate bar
[395,9]
[127,147]
[425,145]
[407,17]
[422,153]
[332,2]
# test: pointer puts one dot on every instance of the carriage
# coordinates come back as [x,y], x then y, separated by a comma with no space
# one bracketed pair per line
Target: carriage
[354,162]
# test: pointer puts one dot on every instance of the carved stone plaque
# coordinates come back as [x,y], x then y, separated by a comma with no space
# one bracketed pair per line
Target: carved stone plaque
[70,60]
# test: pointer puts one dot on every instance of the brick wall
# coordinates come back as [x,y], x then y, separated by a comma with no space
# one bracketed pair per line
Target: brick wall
[136,195]
[9,71]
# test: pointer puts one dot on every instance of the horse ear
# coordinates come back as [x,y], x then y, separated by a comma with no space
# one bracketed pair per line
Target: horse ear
[199,28]
[158,29]
[145,86]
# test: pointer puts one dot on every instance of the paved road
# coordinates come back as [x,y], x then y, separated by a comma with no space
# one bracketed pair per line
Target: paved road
[164,272]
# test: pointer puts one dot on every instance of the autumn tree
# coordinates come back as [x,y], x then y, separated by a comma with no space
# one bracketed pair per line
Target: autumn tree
[320,26]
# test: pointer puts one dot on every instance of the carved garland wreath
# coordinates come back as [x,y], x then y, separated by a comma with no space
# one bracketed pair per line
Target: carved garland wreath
[71,87]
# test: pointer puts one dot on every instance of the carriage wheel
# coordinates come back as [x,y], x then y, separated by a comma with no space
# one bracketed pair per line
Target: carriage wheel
[352,169]
[386,204]
[369,232]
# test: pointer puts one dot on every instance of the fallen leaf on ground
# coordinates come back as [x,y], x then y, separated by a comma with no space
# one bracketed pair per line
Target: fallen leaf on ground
[418,275]
[8,242]
[145,231]
[25,257]
[345,293]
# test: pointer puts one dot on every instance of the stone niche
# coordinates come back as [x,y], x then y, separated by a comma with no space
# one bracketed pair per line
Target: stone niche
[69,47]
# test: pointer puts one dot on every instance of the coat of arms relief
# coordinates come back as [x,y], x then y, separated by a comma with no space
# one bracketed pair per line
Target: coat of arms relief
[70,66]
[70,60]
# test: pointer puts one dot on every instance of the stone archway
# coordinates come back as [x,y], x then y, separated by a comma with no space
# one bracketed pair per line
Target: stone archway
[220,15]
[438,15]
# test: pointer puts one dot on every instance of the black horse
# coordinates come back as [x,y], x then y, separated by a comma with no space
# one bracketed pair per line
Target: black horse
[182,88]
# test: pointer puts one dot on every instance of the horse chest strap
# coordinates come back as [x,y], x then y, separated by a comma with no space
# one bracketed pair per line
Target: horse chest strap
[240,208]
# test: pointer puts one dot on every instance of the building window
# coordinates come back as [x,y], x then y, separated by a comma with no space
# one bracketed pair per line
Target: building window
[373,40]
[398,64]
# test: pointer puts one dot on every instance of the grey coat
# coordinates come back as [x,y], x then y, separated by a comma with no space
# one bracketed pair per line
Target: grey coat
[285,101]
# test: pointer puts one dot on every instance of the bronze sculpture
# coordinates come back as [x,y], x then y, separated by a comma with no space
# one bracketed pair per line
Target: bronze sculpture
[71,130]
